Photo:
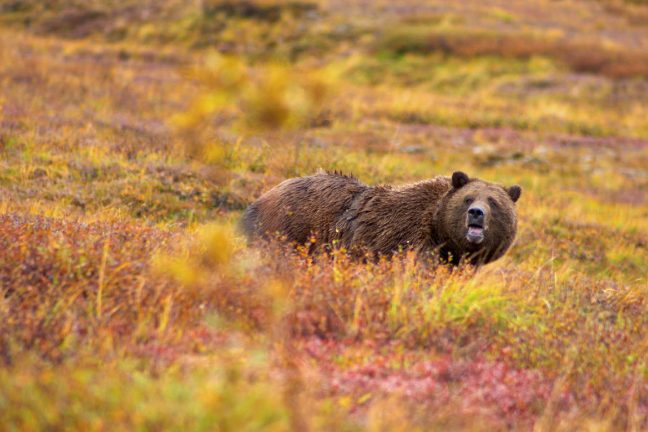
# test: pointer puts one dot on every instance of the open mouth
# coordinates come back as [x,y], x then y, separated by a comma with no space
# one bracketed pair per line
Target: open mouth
[475,233]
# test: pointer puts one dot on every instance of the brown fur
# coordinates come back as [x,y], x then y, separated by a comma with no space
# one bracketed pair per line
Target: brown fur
[428,216]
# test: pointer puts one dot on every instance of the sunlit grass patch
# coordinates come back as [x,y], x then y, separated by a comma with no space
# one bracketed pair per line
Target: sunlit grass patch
[492,109]
[473,302]
[628,259]
[467,42]
[448,75]
[583,209]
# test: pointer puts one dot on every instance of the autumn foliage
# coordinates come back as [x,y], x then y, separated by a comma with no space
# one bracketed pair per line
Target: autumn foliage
[133,134]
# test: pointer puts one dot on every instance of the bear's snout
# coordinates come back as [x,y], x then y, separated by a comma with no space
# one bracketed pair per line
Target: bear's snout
[476,214]
[476,222]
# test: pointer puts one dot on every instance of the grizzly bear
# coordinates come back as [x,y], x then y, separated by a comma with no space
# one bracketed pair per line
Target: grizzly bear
[454,218]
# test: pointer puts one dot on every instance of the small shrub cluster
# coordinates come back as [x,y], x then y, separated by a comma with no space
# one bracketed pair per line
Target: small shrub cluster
[70,286]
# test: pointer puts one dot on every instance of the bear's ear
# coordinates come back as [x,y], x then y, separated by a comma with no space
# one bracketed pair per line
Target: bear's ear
[515,192]
[459,179]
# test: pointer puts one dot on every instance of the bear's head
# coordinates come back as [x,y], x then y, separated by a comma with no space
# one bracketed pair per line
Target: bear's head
[477,219]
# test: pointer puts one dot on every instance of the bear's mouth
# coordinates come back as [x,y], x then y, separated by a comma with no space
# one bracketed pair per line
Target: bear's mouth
[475,233]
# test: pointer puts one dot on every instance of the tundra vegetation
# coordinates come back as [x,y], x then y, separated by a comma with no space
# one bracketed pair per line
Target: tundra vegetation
[133,133]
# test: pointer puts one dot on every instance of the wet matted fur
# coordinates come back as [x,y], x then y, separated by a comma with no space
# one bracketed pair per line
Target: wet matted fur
[431,216]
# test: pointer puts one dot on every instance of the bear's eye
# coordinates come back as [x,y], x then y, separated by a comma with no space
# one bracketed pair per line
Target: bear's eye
[468,200]
[493,202]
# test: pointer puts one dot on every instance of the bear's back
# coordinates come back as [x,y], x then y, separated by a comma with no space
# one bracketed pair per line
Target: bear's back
[301,207]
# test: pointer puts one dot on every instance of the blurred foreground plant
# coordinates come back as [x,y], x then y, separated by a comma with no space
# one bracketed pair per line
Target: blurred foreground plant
[246,99]
[78,396]
[216,270]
